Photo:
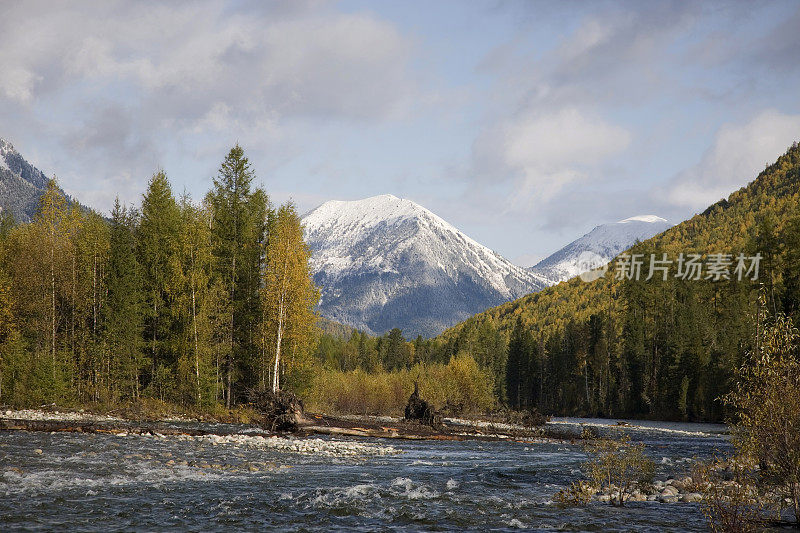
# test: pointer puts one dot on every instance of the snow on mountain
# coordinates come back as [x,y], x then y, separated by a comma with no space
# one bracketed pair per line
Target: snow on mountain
[386,262]
[598,247]
[21,184]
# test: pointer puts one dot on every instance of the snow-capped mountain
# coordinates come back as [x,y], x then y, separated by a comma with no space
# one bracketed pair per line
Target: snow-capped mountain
[598,247]
[21,184]
[386,262]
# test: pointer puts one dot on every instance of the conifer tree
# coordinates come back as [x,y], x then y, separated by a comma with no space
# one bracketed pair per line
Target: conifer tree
[157,241]
[125,307]
[516,366]
[238,229]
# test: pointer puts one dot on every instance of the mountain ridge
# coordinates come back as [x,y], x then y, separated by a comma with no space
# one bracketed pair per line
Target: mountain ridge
[21,184]
[599,246]
[386,262]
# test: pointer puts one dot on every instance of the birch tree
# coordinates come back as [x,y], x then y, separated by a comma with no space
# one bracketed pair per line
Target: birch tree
[288,297]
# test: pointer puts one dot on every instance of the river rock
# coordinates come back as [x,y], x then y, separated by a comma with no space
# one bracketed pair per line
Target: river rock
[668,499]
[637,496]
[692,497]
[669,490]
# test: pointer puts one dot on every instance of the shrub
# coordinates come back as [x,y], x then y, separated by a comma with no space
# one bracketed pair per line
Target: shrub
[617,465]
[460,382]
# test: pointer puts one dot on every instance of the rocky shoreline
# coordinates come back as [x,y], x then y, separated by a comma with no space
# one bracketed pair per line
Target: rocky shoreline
[670,490]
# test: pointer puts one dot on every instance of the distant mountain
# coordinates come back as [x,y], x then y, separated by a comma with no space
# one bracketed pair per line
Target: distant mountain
[21,184]
[386,262]
[598,247]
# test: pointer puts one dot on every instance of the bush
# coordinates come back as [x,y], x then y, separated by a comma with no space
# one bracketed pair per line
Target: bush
[730,501]
[618,466]
[461,382]
[767,402]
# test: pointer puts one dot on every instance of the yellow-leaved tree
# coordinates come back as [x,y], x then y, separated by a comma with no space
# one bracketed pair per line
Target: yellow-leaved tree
[288,296]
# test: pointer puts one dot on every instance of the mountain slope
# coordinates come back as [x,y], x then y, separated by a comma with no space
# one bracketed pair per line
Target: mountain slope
[661,347]
[599,246]
[21,184]
[728,225]
[386,262]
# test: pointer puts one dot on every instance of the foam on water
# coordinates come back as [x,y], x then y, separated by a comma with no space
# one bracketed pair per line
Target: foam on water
[17,482]
[321,447]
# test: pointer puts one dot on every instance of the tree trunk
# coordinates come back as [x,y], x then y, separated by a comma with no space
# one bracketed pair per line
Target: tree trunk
[281,314]
[53,303]
[229,377]
[275,380]
[196,344]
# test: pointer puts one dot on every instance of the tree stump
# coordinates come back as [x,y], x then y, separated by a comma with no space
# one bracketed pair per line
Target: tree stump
[418,410]
[282,411]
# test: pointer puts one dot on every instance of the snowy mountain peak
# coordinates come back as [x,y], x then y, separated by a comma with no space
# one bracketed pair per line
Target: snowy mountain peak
[643,218]
[21,184]
[599,246]
[386,262]
[5,149]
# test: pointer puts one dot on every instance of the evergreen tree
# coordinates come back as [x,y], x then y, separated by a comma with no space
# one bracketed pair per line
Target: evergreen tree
[157,242]
[516,365]
[396,352]
[124,309]
[239,226]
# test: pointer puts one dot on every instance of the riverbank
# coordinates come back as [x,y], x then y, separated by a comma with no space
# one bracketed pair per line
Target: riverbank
[82,421]
[168,419]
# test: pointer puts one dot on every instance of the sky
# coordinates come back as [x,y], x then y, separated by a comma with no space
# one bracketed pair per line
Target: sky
[524,124]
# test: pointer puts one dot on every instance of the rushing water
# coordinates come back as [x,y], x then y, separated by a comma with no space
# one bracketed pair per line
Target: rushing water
[90,482]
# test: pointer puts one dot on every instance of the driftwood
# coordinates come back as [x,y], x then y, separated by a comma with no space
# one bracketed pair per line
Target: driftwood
[419,410]
[322,425]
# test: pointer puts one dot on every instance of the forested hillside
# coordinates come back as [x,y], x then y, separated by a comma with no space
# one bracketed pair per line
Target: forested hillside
[189,302]
[657,348]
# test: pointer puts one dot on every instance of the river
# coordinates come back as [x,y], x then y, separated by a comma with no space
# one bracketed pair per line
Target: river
[96,482]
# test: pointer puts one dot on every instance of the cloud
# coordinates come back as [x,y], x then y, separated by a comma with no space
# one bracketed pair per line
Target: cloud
[542,152]
[130,82]
[739,152]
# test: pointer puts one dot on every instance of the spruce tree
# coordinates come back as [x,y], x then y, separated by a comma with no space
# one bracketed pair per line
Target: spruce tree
[515,366]
[239,220]
[157,241]
[124,309]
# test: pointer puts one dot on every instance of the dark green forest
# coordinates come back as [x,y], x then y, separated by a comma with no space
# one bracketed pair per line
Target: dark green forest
[654,348]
